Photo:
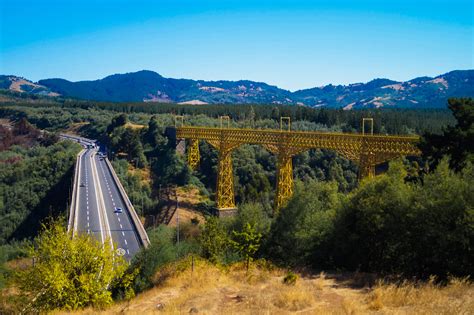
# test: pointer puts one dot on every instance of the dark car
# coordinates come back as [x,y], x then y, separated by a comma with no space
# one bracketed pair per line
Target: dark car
[82,185]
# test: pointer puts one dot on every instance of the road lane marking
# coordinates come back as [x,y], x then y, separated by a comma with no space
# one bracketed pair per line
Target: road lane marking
[126,242]
[98,194]
[128,252]
[76,212]
[121,226]
[123,234]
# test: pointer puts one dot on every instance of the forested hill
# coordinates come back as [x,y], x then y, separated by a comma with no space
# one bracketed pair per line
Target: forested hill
[149,86]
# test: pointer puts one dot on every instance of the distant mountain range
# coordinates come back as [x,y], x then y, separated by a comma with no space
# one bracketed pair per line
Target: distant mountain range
[149,86]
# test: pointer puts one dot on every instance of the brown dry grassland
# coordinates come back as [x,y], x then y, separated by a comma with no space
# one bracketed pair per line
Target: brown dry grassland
[208,289]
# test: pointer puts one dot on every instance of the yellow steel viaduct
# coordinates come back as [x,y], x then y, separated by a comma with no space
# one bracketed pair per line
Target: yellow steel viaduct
[366,150]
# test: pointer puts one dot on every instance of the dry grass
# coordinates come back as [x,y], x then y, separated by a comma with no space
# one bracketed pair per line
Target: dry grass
[143,173]
[320,281]
[209,289]
[427,298]
[189,197]
[293,298]
[75,128]
[133,126]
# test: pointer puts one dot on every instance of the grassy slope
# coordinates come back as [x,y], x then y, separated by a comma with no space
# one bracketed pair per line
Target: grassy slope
[212,290]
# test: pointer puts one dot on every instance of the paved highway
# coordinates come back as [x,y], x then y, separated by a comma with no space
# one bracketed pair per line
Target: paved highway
[88,217]
[98,199]
[121,226]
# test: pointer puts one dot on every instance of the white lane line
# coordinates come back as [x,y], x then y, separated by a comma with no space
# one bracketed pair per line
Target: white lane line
[128,252]
[87,224]
[121,226]
[123,234]
[98,193]
[126,242]
[118,218]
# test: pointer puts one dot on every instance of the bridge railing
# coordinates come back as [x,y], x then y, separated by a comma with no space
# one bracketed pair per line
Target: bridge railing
[143,237]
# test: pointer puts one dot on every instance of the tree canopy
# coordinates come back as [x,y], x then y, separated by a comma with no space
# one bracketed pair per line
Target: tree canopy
[69,273]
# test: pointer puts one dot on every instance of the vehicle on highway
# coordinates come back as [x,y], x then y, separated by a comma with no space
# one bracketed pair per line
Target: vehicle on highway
[118,210]
[82,185]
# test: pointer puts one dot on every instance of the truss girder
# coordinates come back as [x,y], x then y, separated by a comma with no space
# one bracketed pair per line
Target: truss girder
[365,150]
[399,145]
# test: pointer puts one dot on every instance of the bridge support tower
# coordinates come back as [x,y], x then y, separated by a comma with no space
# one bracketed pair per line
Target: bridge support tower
[193,153]
[284,186]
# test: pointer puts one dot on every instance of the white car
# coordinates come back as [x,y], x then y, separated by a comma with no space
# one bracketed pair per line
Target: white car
[118,210]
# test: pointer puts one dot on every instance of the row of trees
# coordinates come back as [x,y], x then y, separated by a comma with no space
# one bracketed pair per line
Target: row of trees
[397,121]
[392,121]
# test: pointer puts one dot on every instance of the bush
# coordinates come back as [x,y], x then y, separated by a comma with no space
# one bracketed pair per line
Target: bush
[255,215]
[68,273]
[214,240]
[304,223]
[162,250]
[393,226]
[290,278]
[386,225]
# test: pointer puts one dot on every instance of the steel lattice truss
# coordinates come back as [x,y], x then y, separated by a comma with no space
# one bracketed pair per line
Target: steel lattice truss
[365,150]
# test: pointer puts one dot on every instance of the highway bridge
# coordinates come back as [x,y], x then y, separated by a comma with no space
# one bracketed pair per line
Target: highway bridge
[100,206]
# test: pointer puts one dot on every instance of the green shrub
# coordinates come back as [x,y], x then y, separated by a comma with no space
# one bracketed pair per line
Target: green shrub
[290,278]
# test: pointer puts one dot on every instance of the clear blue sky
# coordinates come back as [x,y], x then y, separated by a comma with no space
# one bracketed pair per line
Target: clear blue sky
[293,44]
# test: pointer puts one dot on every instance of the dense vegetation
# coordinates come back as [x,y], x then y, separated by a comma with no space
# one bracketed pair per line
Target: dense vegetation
[414,220]
[254,166]
[386,225]
[410,221]
[35,177]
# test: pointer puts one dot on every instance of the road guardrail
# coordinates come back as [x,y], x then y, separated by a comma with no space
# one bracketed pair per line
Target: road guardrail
[131,210]
[74,198]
